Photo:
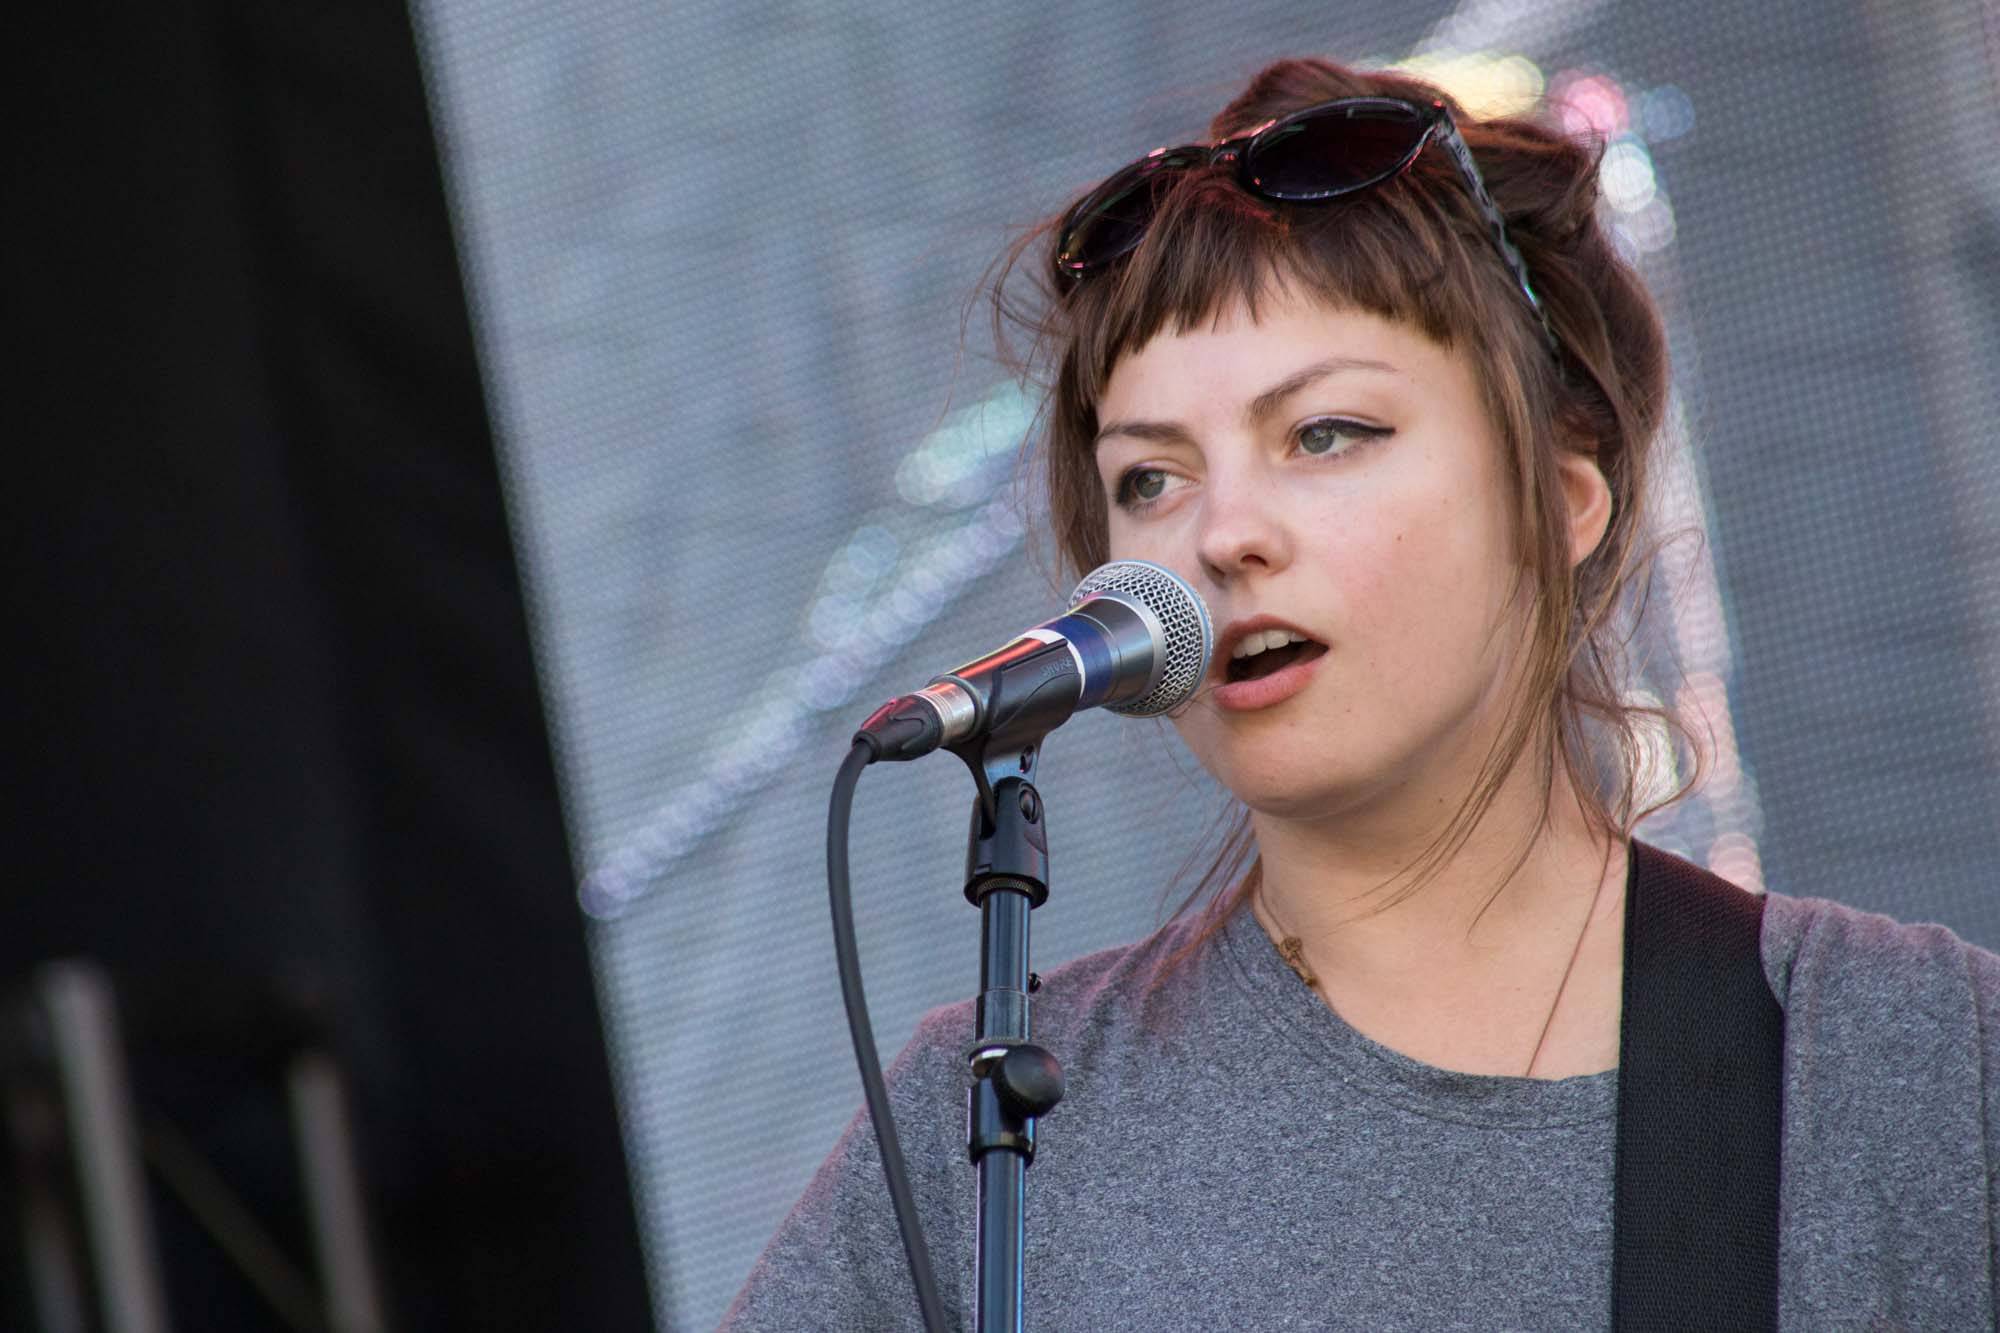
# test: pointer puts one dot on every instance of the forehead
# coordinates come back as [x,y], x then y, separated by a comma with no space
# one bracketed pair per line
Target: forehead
[1241,354]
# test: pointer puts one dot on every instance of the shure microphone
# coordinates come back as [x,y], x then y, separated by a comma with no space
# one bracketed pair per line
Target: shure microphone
[1135,640]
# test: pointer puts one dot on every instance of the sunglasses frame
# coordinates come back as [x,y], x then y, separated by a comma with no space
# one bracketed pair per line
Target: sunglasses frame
[1241,153]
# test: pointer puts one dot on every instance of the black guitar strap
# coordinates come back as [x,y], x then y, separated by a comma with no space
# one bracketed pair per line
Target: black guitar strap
[1700,1052]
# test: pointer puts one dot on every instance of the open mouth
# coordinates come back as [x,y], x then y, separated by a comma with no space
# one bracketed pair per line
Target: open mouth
[1262,653]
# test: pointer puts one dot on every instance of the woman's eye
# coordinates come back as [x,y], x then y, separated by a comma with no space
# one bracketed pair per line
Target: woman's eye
[1142,485]
[1335,435]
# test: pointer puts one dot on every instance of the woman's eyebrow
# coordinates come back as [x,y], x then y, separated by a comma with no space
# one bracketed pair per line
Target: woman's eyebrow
[1262,406]
[1269,401]
[1155,432]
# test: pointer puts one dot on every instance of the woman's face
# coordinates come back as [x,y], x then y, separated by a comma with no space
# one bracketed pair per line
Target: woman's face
[1328,476]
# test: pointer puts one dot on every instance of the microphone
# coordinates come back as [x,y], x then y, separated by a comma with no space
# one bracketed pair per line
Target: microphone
[1135,640]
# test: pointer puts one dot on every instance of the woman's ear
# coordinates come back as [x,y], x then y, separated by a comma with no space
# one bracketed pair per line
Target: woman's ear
[1587,496]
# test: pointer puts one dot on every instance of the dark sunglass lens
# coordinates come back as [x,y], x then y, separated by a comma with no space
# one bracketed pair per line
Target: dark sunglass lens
[1334,152]
[1111,221]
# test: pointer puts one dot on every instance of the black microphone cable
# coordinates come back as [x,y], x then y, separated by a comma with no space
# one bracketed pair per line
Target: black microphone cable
[847,957]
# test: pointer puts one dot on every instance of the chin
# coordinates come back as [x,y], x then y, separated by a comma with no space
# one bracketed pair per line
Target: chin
[1300,806]
[1316,780]
[1314,794]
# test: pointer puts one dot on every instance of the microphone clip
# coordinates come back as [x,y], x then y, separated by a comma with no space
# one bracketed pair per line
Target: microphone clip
[1008,845]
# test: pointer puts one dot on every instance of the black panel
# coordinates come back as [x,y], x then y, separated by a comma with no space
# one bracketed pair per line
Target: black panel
[277,717]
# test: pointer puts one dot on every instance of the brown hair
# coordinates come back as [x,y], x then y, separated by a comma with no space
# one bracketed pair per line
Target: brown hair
[1415,251]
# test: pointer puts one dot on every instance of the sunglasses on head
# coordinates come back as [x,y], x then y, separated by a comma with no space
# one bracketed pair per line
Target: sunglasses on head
[1322,152]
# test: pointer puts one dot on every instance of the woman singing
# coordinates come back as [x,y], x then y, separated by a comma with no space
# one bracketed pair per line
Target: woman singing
[1371,377]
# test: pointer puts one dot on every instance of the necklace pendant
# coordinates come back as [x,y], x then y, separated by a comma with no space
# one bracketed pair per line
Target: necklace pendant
[1293,951]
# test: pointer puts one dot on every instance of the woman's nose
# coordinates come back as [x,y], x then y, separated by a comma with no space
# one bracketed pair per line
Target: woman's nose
[1241,530]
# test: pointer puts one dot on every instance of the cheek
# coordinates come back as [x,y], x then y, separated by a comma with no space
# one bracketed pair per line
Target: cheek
[1118,544]
[1162,541]
[1426,579]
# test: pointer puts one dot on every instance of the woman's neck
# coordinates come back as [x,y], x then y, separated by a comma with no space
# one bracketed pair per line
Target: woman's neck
[1487,959]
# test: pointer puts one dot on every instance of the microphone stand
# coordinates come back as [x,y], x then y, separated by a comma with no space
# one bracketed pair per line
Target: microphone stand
[1135,639]
[1013,1080]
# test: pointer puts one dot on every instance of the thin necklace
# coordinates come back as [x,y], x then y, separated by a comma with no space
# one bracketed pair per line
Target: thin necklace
[1293,950]
[1576,952]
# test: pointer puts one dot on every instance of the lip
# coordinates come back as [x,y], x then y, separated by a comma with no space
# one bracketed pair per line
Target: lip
[1245,696]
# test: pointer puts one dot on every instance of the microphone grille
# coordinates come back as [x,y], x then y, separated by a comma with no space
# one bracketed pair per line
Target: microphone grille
[1182,615]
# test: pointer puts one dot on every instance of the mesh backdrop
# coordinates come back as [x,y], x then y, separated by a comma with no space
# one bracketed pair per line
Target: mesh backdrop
[762,472]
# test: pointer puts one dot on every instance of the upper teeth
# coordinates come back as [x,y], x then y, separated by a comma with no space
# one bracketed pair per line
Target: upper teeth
[1260,640]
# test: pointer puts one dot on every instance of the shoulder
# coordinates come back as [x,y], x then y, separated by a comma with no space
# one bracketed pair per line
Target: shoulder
[1815,950]
[1129,982]
[1117,1001]
[839,1248]
[1886,1025]
[1889,1192]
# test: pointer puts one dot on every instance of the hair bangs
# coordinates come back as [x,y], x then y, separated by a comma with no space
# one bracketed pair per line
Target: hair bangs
[1211,247]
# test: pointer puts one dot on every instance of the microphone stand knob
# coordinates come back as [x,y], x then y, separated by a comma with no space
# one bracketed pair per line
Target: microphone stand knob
[1029,1080]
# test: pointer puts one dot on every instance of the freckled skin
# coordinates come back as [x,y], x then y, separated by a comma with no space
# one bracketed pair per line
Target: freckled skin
[1422,633]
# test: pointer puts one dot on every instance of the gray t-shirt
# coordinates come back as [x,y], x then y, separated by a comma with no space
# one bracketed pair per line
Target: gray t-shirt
[1230,1154]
